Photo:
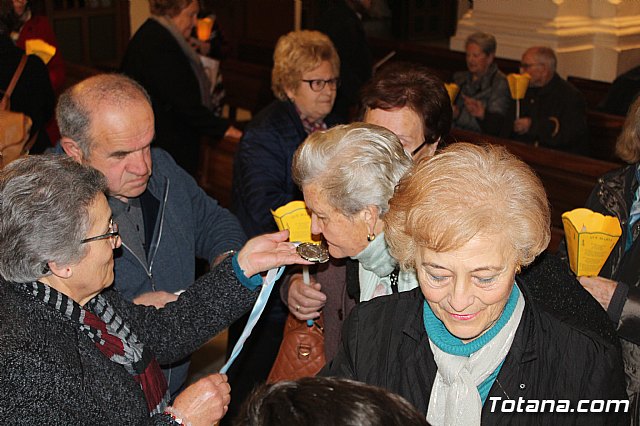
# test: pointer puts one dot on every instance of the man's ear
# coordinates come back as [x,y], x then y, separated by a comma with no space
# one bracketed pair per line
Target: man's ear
[72,149]
[60,270]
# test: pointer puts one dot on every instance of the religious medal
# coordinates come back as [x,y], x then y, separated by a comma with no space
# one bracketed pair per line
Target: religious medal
[313,252]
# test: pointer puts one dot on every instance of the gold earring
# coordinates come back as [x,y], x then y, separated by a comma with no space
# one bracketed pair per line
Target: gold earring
[518,269]
[371,237]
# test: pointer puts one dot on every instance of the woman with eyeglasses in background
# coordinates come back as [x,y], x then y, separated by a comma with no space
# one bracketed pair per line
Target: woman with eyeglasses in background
[304,79]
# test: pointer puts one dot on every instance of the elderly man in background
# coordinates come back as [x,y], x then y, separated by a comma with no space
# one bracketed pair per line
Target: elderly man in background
[553,113]
[165,219]
[484,101]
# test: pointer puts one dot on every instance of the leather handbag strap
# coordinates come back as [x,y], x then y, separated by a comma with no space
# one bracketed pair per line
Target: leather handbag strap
[4,103]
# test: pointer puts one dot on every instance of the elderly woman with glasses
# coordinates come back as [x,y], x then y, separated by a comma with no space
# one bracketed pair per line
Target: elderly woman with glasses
[347,175]
[471,342]
[74,351]
[411,102]
[304,80]
[305,77]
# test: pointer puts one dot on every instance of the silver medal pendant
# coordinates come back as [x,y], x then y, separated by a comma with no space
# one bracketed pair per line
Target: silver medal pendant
[313,252]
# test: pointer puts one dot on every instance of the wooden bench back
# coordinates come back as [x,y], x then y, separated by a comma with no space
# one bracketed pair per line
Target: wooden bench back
[567,178]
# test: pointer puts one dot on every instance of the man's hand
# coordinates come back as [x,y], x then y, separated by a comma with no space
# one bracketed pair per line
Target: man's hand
[522,125]
[305,301]
[155,298]
[601,289]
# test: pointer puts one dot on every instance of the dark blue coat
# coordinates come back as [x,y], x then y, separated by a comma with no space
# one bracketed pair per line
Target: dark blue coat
[262,166]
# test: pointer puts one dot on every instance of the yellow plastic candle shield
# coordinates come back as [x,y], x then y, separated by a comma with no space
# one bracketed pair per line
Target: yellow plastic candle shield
[452,90]
[590,238]
[294,216]
[41,49]
[518,84]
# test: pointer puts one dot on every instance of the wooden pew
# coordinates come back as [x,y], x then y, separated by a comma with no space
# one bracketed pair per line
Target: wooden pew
[594,91]
[604,130]
[567,178]
[247,86]
[215,172]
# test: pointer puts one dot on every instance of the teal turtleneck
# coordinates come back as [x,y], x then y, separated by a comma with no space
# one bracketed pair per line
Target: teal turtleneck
[447,342]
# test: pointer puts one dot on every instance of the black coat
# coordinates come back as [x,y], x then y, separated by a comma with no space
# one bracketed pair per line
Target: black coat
[33,94]
[52,373]
[385,344]
[344,28]
[156,61]
[558,115]
[262,166]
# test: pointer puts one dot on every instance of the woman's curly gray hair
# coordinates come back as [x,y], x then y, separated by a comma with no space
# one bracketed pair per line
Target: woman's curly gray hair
[356,165]
[44,203]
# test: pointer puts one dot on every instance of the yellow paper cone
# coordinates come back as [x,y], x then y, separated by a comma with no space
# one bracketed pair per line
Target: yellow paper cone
[41,49]
[294,216]
[452,90]
[518,84]
[590,238]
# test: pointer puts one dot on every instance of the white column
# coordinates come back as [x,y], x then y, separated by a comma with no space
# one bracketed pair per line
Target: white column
[596,39]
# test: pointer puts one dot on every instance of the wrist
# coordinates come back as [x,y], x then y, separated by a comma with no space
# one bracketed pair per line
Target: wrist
[251,282]
[176,416]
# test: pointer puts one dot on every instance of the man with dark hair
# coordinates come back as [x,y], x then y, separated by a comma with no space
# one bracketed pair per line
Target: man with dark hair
[553,112]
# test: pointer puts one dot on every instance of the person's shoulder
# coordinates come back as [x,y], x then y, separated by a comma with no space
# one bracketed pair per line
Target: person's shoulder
[278,116]
[163,164]
[563,336]
[403,301]
[150,32]
[616,175]
[566,86]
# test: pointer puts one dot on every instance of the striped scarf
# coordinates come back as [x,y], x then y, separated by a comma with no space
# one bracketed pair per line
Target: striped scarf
[113,337]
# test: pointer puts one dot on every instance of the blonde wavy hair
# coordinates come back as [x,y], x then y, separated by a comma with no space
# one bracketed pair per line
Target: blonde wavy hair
[464,191]
[628,143]
[296,53]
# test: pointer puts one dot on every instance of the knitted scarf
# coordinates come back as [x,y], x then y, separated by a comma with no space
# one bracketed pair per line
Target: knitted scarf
[113,337]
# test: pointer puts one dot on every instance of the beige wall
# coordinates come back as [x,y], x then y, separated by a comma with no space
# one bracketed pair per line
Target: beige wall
[139,12]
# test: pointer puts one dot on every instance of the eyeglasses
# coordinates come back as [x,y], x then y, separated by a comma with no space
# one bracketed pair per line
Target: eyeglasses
[318,85]
[112,234]
[526,66]
[427,141]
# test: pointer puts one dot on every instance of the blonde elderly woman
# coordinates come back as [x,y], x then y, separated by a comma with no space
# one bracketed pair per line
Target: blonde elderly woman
[347,175]
[159,56]
[74,351]
[471,343]
[304,80]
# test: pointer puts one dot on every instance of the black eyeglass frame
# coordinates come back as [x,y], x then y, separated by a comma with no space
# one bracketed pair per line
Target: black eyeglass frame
[113,233]
[335,81]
